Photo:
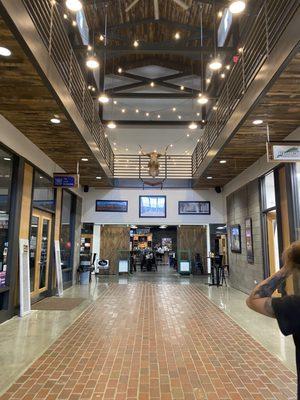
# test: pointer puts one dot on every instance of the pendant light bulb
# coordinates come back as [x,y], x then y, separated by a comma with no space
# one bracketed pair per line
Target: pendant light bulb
[202,99]
[111,125]
[236,7]
[215,65]
[92,62]
[103,98]
[193,126]
[74,5]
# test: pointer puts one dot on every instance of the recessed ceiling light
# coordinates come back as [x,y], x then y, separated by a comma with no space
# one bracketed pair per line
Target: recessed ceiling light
[84,159]
[237,7]
[228,67]
[89,47]
[209,177]
[198,114]
[120,70]
[220,14]
[74,23]
[74,5]
[222,75]
[137,111]
[187,135]
[257,122]
[136,43]
[240,50]
[55,120]
[147,114]
[103,98]
[179,117]
[171,145]
[7,158]
[193,126]
[65,16]
[92,62]
[208,80]
[98,177]
[215,108]
[177,36]
[215,65]
[111,125]
[101,37]
[152,84]
[181,87]
[115,102]
[174,109]
[123,110]
[5,52]
[158,116]
[126,149]
[41,177]
[223,161]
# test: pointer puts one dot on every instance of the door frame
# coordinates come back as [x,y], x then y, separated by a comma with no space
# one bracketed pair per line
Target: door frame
[41,215]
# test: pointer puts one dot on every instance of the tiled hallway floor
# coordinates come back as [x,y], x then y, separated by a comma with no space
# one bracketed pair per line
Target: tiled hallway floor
[153,340]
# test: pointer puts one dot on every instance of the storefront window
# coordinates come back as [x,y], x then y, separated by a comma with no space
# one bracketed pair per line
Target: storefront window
[6,166]
[270,200]
[43,193]
[66,236]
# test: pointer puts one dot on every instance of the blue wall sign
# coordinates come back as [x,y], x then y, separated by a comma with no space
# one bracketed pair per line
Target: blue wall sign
[60,180]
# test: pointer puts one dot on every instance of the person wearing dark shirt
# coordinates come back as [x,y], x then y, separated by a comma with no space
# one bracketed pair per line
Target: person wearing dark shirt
[285,309]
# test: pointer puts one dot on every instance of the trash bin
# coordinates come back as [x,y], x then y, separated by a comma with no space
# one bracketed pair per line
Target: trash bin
[84,274]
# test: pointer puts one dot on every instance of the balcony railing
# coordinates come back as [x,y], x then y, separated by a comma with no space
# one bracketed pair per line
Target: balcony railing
[262,37]
[136,166]
[47,18]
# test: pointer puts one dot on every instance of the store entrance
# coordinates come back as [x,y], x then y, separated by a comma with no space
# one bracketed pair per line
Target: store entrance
[40,238]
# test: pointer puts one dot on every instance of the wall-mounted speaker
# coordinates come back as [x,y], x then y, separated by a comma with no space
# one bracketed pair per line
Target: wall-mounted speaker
[218,189]
[86,188]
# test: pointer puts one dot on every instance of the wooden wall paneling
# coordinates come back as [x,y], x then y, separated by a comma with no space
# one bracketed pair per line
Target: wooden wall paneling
[193,238]
[113,239]
[57,221]
[26,202]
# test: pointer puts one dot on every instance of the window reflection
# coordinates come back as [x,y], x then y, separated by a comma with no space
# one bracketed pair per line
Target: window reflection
[66,236]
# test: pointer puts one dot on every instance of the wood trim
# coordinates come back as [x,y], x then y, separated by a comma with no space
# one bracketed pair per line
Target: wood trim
[26,202]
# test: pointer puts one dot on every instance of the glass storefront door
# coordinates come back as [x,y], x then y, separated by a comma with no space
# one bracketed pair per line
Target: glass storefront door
[40,239]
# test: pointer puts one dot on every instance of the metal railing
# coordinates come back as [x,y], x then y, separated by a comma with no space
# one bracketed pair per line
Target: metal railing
[136,166]
[47,18]
[260,40]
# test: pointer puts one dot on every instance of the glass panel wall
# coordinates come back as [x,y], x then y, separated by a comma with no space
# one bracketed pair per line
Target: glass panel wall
[43,192]
[6,167]
[67,236]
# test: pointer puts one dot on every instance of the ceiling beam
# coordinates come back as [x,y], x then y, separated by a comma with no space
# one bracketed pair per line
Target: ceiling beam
[158,96]
[177,123]
[103,2]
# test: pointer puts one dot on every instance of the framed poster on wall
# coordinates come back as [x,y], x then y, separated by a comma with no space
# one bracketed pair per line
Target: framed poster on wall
[194,207]
[249,240]
[235,239]
[111,205]
[153,207]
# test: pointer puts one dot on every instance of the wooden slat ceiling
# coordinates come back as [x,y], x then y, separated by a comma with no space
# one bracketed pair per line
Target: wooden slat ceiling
[28,104]
[280,108]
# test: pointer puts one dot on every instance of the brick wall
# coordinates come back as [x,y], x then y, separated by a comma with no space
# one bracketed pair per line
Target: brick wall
[242,204]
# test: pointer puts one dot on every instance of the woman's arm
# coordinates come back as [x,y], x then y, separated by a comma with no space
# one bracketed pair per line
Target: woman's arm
[260,299]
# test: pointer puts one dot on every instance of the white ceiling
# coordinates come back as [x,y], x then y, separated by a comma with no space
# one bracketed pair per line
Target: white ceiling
[127,138]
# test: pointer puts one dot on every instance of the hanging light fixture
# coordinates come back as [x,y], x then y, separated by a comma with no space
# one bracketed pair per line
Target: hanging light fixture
[216,63]
[202,99]
[193,126]
[111,125]
[103,98]
[236,7]
[92,62]
[74,5]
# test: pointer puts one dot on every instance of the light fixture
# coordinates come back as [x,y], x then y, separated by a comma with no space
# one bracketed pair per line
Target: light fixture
[215,108]
[5,52]
[136,43]
[198,114]
[84,159]
[177,36]
[126,149]
[223,75]
[7,158]
[111,125]
[237,6]
[171,145]
[101,37]
[209,177]
[74,5]
[181,87]
[228,67]
[115,102]
[92,62]
[120,70]
[257,122]
[55,120]
[193,126]
[174,109]
[147,114]
[137,111]
[240,50]
[187,135]
[123,110]
[158,116]
[74,23]
[223,161]
[179,117]
[103,98]
[41,177]
[208,80]
[98,177]
[65,16]
[162,226]
[215,65]
[90,48]
[106,135]
[220,14]
[202,99]
[152,84]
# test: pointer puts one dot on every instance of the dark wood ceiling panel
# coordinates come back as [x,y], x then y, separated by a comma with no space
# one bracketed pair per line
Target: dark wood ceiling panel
[280,108]
[28,104]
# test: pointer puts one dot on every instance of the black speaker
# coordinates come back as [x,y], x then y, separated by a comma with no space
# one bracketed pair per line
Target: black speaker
[218,189]
[86,188]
